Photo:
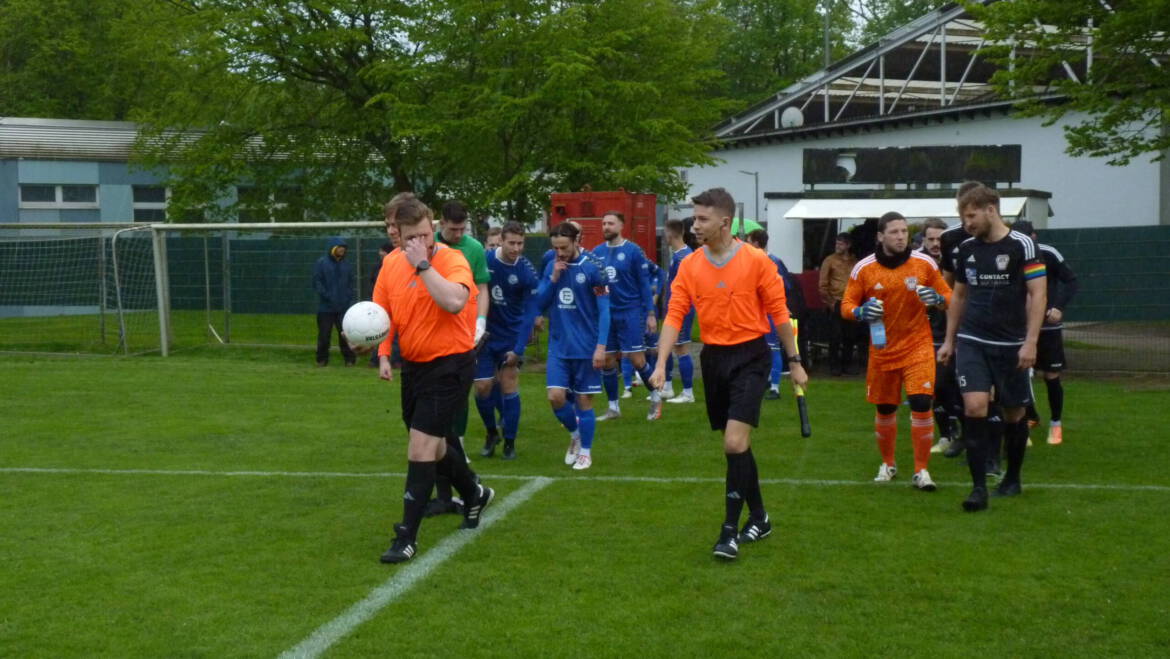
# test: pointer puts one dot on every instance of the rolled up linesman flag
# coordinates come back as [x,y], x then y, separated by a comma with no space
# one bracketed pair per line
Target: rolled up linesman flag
[801,405]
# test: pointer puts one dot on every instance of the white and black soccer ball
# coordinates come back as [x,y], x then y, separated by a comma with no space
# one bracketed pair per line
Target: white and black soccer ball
[365,324]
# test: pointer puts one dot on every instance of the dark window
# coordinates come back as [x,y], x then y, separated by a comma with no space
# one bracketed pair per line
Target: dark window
[38,193]
[150,215]
[79,194]
[149,194]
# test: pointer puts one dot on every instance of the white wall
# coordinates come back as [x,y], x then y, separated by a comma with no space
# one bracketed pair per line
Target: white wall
[1086,192]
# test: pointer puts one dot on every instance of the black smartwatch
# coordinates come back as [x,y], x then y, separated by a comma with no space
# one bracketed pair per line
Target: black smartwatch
[795,359]
[422,265]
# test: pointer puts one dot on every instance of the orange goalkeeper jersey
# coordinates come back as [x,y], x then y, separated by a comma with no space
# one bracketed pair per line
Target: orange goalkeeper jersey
[733,300]
[425,331]
[908,337]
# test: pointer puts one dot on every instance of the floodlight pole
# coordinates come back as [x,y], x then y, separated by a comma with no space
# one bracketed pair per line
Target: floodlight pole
[756,177]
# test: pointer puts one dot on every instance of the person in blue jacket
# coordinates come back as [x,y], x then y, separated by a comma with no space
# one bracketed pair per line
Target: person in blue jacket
[333,280]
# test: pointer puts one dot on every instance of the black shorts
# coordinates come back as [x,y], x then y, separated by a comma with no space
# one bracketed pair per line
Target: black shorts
[735,378]
[1050,351]
[979,367]
[433,392]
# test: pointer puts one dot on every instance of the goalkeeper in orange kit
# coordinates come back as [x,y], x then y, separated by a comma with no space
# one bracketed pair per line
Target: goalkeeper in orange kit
[895,285]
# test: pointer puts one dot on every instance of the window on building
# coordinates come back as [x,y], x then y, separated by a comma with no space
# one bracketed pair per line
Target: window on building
[150,203]
[40,195]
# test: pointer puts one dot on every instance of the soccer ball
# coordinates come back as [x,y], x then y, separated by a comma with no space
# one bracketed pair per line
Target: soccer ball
[365,324]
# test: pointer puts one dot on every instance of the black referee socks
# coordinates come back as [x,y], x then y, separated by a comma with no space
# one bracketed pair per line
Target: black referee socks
[420,479]
[743,485]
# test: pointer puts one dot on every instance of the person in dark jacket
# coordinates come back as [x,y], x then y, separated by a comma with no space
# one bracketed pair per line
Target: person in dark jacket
[333,280]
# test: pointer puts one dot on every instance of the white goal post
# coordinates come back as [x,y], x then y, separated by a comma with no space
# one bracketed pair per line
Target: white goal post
[66,285]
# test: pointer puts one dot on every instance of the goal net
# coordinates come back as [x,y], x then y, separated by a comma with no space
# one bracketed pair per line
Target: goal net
[133,289]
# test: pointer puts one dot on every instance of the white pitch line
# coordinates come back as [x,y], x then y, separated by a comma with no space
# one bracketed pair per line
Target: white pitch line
[407,576]
[528,477]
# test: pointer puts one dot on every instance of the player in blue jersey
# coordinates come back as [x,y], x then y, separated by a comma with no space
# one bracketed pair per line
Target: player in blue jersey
[513,286]
[574,292]
[682,243]
[759,239]
[632,310]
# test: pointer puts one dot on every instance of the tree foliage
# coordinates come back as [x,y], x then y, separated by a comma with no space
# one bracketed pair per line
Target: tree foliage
[497,102]
[1118,109]
[92,59]
[876,18]
[772,43]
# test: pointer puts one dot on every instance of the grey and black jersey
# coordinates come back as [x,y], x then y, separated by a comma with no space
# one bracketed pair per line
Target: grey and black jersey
[1062,282]
[996,275]
[949,242]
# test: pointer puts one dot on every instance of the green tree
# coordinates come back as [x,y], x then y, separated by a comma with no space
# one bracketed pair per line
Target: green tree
[1117,106]
[875,18]
[496,101]
[772,43]
[83,59]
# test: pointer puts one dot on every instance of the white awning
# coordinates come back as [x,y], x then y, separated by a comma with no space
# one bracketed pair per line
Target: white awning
[840,209]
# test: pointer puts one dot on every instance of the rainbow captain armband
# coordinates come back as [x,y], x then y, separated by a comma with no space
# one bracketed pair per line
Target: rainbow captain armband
[1034,270]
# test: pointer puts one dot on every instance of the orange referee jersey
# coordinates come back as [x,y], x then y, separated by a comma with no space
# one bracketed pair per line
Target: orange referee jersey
[425,331]
[732,300]
[908,338]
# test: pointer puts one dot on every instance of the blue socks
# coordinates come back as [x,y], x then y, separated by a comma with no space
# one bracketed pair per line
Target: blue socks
[609,380]
[686,371]
[487,412]
[646,372]
[511,416]
[588,422]
[567,415]
[498,399]
[628,373]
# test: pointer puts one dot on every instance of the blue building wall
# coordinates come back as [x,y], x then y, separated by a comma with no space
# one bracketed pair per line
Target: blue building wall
[9,192]
[115,181]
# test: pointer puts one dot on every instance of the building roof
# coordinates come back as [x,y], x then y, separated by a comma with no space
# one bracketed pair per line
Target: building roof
[61,139]
[927,68]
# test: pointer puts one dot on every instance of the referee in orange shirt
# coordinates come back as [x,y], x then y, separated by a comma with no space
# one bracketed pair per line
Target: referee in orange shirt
[734,288]
[428,290]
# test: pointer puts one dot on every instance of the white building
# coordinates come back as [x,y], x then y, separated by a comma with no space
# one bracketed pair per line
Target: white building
[913,115]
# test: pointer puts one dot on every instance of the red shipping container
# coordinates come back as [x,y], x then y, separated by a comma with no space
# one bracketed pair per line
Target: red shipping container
[587,208]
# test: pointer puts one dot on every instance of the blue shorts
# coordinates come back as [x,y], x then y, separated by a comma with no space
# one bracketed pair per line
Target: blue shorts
[650,341]
[684,333]
[627,331]
[576,375]
[491,357]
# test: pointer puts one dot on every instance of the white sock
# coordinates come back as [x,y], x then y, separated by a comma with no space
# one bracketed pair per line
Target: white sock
[585,451]
[688,392]
[613,405]
[575,435]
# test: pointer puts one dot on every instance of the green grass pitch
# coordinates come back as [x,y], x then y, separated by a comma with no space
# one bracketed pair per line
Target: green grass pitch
[291,480]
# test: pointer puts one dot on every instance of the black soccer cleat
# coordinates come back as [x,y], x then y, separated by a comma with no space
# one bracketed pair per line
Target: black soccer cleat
[490,444]
[402,549]
[472,512]
[772,394]
[509,451]
[1008,488]
[755,530]
[955,449]
[976,501]
[442,507]
[726,546]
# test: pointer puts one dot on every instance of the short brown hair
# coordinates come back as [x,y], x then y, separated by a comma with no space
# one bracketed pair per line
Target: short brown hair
[884,221]
[513,227]
[759,238]
[979,196]
[566,229]
[718,198]
[933,223]
[407,210]
[618,214]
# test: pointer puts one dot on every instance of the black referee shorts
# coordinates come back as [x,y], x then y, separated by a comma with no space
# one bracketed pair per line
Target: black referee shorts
[734,380]
[1050,351]
[433,392]
[980,366]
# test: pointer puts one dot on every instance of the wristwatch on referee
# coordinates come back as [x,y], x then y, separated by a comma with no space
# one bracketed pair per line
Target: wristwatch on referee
[795,359]
[422,265]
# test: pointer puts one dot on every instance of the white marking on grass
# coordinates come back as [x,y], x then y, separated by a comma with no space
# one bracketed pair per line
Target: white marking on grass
[407,576]
[521,477]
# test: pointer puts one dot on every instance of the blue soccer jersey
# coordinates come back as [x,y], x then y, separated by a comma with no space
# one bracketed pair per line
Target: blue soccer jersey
[629,277]
[577,305]
[513,287]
